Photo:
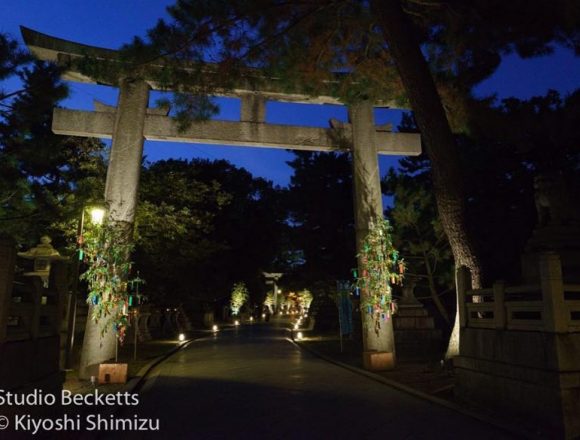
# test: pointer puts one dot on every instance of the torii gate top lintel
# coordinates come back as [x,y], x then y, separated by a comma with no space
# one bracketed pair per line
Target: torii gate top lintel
[60,51]
[250,131]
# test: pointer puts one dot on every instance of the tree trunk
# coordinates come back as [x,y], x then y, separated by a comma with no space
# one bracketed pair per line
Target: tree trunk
[435,131]
[433,290]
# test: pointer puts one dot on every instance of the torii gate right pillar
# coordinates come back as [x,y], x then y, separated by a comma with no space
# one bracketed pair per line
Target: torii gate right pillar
[378,344]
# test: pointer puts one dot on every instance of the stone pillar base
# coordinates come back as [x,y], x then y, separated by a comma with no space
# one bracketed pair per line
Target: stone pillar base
[378,360]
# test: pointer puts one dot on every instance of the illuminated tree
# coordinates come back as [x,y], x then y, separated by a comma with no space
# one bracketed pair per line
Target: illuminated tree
[305,299]
[239,297]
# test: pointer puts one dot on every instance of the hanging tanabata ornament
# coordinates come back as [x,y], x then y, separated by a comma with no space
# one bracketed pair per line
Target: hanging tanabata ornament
[381,267]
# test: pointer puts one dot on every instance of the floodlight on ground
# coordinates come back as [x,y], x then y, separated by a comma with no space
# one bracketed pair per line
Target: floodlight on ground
[296,326]
[251,318]
[236,322]
[97,215]
[215,328]
[181,337]
[299,335]
[263,315]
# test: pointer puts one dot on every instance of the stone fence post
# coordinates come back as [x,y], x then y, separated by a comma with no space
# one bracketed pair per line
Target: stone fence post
[555,315]
[499,316]
[7,264]
[463,282]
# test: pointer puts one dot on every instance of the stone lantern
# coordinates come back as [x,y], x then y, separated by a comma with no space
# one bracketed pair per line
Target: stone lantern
[42,255]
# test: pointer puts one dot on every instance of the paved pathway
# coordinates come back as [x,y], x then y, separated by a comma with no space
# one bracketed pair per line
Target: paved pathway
[253,383]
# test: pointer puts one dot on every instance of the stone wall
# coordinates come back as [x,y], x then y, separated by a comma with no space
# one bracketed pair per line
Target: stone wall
[520,351]
[533,376]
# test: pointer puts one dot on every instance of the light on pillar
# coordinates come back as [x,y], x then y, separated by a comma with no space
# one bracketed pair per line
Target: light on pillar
[97,215]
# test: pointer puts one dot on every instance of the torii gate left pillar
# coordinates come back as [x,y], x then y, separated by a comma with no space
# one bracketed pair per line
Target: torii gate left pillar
[378,342]
[121,195]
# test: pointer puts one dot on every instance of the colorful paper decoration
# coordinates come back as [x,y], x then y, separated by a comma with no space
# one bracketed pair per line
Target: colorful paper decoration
[381,268]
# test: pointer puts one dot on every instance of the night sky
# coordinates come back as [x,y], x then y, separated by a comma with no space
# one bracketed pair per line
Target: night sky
[110,23]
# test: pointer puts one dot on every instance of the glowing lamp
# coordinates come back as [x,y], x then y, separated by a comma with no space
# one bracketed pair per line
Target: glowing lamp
[299,335]
[236,322]
[296,326]
[181,337]
[97,216]
[215,328]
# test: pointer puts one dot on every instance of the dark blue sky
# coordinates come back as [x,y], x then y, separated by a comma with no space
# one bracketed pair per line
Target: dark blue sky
[110,23]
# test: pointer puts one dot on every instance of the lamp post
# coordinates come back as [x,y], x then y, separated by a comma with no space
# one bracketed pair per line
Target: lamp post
[97,216]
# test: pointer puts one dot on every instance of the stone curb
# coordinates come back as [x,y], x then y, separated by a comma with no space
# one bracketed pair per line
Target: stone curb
[401,387]
[135,383]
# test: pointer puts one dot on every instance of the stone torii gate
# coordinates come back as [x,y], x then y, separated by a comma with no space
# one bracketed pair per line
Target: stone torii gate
[131,122]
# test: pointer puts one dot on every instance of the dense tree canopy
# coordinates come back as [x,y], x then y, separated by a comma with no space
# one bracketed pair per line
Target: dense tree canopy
[44,178]
[203,226]
[321,215]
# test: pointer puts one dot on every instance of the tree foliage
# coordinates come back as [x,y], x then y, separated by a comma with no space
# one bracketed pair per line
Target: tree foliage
[44,178]
[418,233]
[204,225]
[239,297]
[319,201]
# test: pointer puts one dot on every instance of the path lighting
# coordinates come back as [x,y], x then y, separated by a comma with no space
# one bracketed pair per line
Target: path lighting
[236,322]
[215,328]
[181,337]
[296,326]
[299,336]
[263,315]
[251,318]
